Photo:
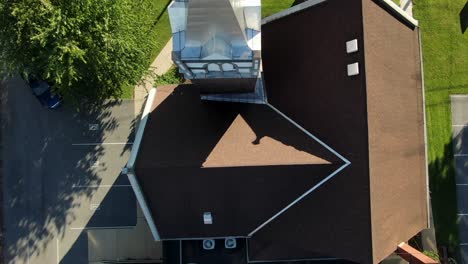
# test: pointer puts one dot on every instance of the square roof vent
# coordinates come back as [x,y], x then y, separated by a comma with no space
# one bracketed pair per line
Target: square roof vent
[353,69]
[351,46]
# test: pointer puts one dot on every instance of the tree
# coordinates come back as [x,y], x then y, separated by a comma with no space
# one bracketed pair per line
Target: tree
[87,49]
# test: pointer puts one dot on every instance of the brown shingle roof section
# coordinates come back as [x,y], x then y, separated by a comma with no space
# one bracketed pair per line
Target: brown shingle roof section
[396,129]
[374,119]
[241,162]
[305,77]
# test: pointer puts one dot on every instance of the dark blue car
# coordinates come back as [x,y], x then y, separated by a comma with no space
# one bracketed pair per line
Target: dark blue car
[42,91]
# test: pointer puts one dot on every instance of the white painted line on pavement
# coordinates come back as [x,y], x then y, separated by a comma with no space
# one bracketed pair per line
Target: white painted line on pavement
[77,228]
[461,155]
[28,253]
[102,143]
[462,214]
[101,186]
[460,125]
[103,227]
[58,252]
[462,184]
[463,244]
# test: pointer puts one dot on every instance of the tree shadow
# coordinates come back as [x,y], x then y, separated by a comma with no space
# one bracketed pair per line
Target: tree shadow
[44,164]
[162,13]
[464,18]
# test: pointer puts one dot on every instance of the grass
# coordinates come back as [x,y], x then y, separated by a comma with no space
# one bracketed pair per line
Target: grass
[172,76]
[159,29]
[270,7]
[445,55]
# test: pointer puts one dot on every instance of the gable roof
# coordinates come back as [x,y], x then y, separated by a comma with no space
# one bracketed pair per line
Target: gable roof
[375,119]
[243,163]
[324,169]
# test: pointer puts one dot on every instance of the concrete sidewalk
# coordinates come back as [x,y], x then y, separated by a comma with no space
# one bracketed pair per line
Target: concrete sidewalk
[160,65]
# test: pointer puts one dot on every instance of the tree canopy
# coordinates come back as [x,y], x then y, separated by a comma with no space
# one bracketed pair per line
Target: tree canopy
[87,49]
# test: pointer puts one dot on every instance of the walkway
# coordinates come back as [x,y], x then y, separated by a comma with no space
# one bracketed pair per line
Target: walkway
[160,65]
[460,149]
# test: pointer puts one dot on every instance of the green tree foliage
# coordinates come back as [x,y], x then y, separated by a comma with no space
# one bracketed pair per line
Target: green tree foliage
[88,49]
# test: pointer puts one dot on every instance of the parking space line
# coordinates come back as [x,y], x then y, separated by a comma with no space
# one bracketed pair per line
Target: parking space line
[461,155]
[102,143]
[102,227]
[101,186]
[460,125]
[28,253]
[58,252]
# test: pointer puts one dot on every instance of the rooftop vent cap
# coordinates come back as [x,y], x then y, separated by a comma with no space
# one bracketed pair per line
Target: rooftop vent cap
[208,244]
[230,242]
[353,69]
[207,218]
[351,46]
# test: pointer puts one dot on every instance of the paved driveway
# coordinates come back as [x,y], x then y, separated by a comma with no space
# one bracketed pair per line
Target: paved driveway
[62,176]
[459,104]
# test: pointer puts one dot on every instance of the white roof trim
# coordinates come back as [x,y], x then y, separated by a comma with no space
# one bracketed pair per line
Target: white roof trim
[291,10]
[141,128]
[144,207]
[402,13]
[426,157]
[316,186]
[131,163]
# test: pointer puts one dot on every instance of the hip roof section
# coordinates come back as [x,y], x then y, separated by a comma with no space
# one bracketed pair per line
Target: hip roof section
[243,163]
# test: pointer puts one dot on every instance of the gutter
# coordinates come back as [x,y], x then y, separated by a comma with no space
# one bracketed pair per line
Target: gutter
[428,203]
[291,10]
[400,12]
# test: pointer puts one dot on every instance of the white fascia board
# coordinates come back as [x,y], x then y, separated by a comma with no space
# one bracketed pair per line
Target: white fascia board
[144,207]
[141,129]
[291,10]
[400,12]
[426,157]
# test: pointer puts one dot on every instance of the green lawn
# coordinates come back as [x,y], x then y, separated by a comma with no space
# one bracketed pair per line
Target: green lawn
[270,7]
[159,31]
[445,56]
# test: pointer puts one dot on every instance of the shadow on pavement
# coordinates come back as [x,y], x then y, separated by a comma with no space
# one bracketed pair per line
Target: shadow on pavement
[443,191]
[40,170]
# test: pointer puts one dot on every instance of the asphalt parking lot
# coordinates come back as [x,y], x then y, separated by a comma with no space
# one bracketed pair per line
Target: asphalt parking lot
[62,176]
[459,105]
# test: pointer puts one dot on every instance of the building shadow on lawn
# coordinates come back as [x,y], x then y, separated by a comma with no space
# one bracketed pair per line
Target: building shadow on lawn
[42,168]
[464,18]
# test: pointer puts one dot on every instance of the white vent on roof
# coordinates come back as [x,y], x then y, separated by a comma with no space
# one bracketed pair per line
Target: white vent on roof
[208,244]
[353,69]
[207,218]
[230,242]
[352,46]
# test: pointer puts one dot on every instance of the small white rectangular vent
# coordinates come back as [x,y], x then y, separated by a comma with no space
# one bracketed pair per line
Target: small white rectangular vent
[207,218]
[353,69]
[352,46]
